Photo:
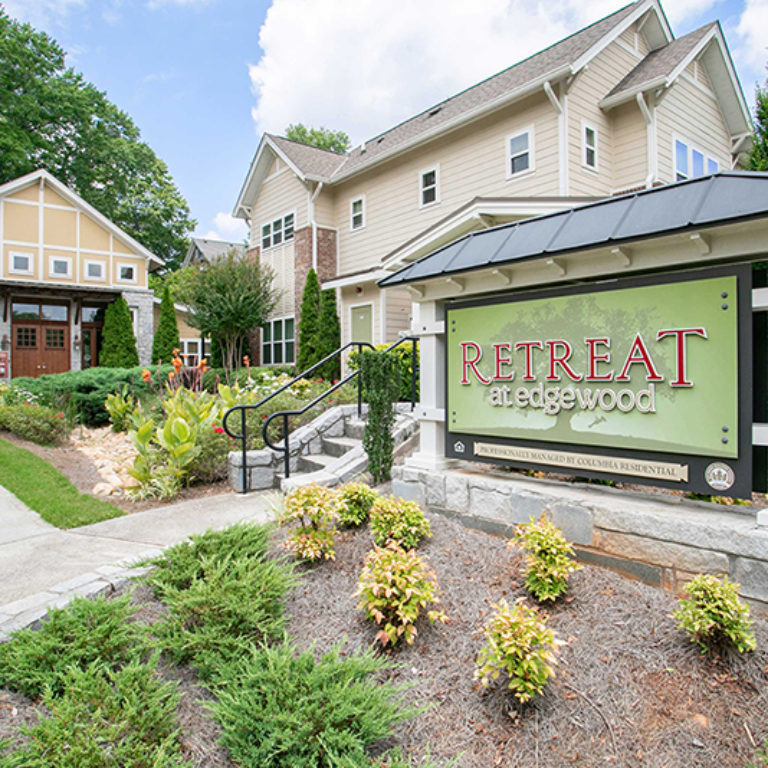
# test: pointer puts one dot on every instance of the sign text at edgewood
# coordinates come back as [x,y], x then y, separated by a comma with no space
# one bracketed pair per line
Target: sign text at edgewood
[641,368]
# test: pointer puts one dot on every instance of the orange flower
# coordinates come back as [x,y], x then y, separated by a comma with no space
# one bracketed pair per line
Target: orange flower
[146,375]
[175,352]
[177,364]
[246,361]
[171,374]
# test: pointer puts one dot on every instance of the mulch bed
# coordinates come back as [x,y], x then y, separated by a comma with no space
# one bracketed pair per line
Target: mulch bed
[630,689]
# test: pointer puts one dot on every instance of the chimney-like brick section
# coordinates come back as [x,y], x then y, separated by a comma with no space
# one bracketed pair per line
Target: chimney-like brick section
[326,262]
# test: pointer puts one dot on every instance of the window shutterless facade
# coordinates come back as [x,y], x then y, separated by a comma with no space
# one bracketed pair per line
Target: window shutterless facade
[589,146]
[278,346]
[277,231]
[126,273]
[691,162]
[60,266]
[520,152]
[429,186]
[95,270]
[357,213]
[20,263]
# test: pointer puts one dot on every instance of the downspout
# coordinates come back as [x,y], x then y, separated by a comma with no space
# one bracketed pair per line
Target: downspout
[650,128]
[562,134]
[313,223]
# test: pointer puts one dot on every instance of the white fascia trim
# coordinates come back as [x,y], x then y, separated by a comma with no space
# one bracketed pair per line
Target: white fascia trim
[631,93]
[364,277]
[736,84]
[78,202]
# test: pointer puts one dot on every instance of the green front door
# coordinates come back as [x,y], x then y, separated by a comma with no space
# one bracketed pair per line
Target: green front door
[362,323]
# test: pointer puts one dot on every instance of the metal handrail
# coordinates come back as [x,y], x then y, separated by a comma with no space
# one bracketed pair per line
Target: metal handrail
[285,415]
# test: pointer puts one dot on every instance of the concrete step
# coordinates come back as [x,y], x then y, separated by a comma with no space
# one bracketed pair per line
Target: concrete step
[321,477]
[354,428]
[315,462]
[338,446]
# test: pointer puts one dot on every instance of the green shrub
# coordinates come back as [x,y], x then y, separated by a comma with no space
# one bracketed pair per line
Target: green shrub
[379,383]
[105,718]
[118,344]
[308,350]
[166,337]
[712,615]
[314,507]
[85,631]
[548,560]
[404,357]
[355,501]
[398,520]
[328,336]
[210,464]
[518,643]
[394,588]
[282,710]
[36,423]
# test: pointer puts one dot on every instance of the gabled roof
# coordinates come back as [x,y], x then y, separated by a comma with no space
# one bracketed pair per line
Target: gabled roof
[68,194]
[693,204]
[313,161]
[211,250]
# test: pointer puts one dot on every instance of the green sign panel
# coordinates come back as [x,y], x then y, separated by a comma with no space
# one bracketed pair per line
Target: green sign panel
[652,368]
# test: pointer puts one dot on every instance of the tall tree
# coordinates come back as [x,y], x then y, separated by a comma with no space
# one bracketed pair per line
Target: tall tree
[758,157]
[329,335]
[227,299]
[167,334]
[118,344]
[307,354]
[52,118]
[323,138]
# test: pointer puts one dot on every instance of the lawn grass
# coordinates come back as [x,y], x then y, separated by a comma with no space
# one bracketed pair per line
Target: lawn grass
[46,491]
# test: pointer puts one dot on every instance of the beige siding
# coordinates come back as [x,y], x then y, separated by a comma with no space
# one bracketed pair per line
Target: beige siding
[349,298]
[630,147]
[398,313]
[635,41]
[281,260]
[279,195]
[324,208]
[472,162]
[693,116]
[30,193]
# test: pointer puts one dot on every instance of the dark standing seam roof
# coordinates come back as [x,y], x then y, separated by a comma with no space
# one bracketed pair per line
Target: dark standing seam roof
[695,203]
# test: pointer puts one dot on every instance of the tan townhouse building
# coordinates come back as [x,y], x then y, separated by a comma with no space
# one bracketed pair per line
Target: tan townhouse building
[618,106]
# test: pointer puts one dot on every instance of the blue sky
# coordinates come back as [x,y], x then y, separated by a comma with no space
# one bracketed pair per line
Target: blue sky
[203,78]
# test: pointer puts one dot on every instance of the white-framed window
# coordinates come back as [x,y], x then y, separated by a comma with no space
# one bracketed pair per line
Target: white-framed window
[429,186]
[277,231]
[589,146]
[357,213]
[60,266]
[278,344]
[95,270]
[520,152]
[20,263]
[126,273]
[691,162]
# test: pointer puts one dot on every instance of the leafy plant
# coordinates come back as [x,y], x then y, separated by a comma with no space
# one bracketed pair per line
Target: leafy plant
[378,371]
[120,406]
[355,501]
[394,519]
[403,354]
[518,643]
[549,558]
[118,344]
[210,463]
[105,717]
[713,615]
[395,586]
[35,423]
[84,632]
[314,508]
[278,709]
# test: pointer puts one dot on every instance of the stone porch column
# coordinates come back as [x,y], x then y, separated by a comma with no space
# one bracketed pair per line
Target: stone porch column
[142,304]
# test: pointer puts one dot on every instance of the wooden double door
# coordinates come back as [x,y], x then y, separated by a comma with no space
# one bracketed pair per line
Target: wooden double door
[41,338]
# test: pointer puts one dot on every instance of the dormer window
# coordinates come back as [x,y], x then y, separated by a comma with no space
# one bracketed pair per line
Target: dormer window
[430,186]
[357,213]
[520,152]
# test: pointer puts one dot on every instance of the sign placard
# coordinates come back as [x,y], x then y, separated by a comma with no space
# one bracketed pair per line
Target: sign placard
[644,380]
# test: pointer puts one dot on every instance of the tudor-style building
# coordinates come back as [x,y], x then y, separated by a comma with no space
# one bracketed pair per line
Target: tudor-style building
[61,264]
[618,106]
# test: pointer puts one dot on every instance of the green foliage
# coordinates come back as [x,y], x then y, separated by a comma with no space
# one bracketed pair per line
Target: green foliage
[210,463]
[355,500]
[329,336]
[308,352]
[404,356]
[518,643]
[120,406]
[395,758]
[322,138]
[549,558]
[398,520]
[177,281]
[36,423]
[758,156]
[282,710]
[45,490]
[166,337]
[378,371]
[228,298]
[118,344]
[54,119]
[395,586]
[84,632]
[713,616]
[314,508]
[105,717]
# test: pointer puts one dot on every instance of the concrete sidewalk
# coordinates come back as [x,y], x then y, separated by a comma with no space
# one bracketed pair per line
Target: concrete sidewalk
[42,566]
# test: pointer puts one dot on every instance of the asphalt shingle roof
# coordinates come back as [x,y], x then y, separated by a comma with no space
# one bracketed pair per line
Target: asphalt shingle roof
[700,202]
[311,161]
[213,249]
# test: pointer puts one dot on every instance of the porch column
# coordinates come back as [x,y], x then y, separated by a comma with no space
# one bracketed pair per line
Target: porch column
[75,332]
[142,304]
[430,329]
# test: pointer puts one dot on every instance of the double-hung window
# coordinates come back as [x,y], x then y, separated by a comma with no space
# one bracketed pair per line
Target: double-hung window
[589,146]
[357,213]
[691,162]
[520,152]
[429,183]
[278,342]
[277,231]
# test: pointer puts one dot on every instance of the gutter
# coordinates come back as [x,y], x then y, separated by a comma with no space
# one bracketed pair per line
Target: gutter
[312,198]
[650,128]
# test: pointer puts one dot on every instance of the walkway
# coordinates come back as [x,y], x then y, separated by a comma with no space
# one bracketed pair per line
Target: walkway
[41,565]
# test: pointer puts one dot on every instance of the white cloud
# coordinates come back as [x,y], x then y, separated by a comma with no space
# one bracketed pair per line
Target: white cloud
[226,227]
[753,50]
[153,4]
[40,13]
[362,67]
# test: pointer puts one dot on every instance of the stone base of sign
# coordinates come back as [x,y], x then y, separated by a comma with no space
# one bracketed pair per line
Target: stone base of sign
[660,540]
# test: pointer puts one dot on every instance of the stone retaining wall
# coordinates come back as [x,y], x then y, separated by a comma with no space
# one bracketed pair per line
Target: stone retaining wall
[660,540]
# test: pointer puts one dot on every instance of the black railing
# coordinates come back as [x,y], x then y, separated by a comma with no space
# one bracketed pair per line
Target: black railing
[285,415]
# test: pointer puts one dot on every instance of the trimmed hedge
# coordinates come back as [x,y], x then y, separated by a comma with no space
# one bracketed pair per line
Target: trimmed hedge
[37,423]
[403,355]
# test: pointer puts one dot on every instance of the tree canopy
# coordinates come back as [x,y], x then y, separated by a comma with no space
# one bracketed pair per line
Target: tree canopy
[758,157]
[52,118]
[323,138]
